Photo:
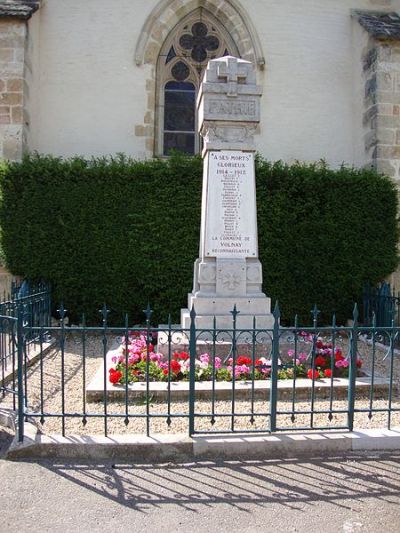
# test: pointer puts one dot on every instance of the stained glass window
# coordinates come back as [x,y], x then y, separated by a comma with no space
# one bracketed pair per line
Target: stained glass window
[179,117]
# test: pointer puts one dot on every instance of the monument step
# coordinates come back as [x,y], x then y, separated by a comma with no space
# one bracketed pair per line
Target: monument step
[224,321]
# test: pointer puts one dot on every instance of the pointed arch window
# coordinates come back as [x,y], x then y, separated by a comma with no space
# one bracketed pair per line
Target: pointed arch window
[185,53]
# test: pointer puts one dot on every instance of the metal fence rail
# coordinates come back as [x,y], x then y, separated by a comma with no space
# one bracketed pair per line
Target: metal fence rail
[27,306]
[383,303]
[258,380]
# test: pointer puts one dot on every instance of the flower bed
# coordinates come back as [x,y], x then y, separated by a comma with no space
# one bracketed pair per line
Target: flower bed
[136,358]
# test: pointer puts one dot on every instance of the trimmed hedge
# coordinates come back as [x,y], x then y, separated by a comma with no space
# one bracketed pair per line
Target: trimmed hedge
[127,232]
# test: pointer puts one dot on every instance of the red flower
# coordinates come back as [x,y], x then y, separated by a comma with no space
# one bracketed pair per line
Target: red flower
[243,360]
[165,372]
[175,355]
[313,374]
[328,373]
[151,347]
[115,376]
[320,361]
[359,363]
[175,367]
[184,356]
[259,362]
[338,355]
[319,344]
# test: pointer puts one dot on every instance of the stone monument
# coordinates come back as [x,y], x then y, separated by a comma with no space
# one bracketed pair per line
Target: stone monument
[228,271]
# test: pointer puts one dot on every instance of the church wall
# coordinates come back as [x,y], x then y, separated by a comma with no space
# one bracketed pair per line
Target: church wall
[12,43]
[363,136]
[32,100]
[91,93]
[92,99]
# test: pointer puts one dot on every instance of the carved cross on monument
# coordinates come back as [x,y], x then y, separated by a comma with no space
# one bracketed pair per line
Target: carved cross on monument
[233,72]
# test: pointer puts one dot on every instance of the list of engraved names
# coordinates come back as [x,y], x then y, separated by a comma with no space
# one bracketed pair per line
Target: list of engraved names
[231,214]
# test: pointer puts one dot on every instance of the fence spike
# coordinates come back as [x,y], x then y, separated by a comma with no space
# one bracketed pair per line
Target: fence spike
[315,312]
[355,313]
[104,313]
[61,311]
[148,312]
[192,313]
[235,312]
[277,312]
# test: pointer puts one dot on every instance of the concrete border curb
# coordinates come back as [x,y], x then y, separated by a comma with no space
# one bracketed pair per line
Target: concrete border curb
[32,357]
[180,447]
[8,419]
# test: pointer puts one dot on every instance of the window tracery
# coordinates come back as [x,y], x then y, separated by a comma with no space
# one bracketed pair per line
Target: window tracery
[181,63]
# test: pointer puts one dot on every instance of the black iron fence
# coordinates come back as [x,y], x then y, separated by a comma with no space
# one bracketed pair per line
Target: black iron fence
[155,379]
[382,304]
[28,306]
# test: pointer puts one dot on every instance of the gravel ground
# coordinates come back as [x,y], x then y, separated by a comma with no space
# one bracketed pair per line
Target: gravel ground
[74,403]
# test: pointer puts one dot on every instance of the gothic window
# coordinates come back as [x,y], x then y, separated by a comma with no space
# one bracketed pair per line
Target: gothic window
[181,63]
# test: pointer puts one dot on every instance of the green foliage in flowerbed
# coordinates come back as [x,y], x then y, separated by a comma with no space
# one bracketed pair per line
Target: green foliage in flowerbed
[127,232]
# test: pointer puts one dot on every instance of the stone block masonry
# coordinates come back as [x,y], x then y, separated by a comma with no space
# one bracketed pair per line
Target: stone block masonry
[381,71]
[12,52]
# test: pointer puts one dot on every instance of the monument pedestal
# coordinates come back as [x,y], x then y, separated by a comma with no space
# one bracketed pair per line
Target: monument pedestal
[228,272]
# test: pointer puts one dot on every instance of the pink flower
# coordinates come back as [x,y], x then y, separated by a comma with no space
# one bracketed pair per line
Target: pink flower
[339,363]
[205,358]
[133,359]
[302,357]
[241,369]
[290,353]
[155,357]
[218,363]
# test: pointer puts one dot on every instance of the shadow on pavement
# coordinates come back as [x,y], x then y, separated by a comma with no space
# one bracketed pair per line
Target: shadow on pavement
[293,483]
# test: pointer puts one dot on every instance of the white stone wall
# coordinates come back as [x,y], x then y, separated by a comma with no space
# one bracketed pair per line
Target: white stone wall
[87,95]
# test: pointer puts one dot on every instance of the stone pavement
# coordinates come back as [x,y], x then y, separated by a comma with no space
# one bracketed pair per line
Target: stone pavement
[357,492]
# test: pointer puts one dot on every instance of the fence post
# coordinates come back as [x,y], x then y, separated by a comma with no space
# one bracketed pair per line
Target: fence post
[192,353]
[20,373]
[274,368]
[353,369]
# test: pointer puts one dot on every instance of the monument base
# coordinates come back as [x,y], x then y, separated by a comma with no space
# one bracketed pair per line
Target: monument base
[208,307]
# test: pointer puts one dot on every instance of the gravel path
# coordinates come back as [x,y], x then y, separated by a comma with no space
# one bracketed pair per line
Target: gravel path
[74,403]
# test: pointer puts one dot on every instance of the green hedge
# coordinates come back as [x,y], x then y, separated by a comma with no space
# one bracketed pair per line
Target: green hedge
[127,232]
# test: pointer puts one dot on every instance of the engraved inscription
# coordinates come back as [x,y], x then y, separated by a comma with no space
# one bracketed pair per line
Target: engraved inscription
[231,215]
[236,108]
